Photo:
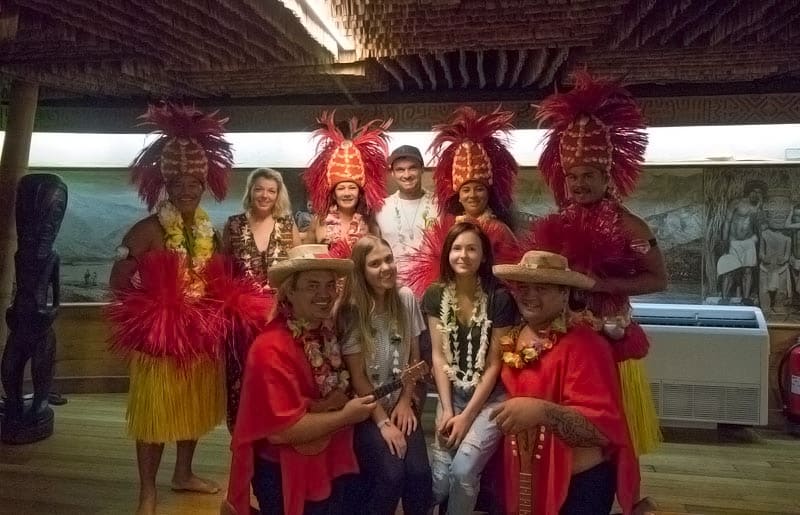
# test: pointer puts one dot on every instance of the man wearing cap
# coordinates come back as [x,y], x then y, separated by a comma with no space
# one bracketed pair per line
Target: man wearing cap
[567,449]
[409,210]
[297,449]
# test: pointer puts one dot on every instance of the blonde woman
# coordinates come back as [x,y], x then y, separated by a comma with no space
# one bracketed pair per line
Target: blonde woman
[265,231]
[255,240]
[384,323]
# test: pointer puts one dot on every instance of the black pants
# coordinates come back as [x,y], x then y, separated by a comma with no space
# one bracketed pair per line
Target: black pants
[268,489]
[387,478]
[592,491]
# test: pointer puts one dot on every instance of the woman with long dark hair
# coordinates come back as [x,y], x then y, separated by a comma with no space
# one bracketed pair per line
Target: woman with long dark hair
[468,312]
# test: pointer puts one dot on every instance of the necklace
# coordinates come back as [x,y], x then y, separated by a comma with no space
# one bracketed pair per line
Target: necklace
[539,343]
[451,346]
[356,228]
[196,244]
[424,200]
[323,353]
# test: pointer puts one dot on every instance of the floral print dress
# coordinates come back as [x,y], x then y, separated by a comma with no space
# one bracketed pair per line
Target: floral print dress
[251,262]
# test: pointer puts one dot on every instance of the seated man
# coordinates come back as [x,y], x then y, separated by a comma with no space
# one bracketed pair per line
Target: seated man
[567,449]
[293,437]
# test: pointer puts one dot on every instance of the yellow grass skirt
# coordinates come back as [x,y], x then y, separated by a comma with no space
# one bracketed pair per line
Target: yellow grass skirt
[168,403]
[640,411]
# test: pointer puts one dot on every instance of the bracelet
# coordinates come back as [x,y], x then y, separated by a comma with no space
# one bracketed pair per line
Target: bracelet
[384,422]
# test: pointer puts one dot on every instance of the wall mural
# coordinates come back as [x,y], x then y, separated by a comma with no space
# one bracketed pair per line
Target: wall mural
[730,235]
[752,239]
[103,206]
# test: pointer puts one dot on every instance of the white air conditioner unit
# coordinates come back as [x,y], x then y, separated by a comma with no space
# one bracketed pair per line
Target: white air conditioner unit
[707,364]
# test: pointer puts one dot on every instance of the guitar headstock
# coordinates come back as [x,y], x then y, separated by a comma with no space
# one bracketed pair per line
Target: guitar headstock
[522,445]
[414,373]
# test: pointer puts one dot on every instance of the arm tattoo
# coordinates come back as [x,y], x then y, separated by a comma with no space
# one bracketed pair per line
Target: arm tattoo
[572,427]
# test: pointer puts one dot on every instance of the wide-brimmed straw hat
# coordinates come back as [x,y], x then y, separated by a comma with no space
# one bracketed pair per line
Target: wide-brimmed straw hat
[304,258]
[538,266]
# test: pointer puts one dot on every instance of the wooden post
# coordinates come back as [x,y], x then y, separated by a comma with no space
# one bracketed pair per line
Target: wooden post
[13,165]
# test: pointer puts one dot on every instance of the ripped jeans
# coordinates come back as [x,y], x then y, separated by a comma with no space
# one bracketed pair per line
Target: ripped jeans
[457,472]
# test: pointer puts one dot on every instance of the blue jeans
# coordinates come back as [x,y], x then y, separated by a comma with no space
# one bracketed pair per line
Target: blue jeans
[457,472]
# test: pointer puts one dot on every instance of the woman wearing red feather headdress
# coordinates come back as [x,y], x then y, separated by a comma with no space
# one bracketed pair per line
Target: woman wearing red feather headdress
[474,180]
[592,159]
[160,315]
[346,181]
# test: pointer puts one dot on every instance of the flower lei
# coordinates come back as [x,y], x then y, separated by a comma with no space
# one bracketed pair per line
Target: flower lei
[355,230]
[487,215]
[452,346]
[532,350]
[323,353]
[427,201]
[197,246]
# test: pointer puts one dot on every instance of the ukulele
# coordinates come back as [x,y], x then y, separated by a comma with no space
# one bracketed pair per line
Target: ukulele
[337,399]
[522,447]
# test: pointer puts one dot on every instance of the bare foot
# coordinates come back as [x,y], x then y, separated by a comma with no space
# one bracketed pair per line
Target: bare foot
[147,504]
[195,484]
[645,506]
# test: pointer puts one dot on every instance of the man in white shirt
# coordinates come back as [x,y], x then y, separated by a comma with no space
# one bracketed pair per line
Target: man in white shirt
[408,211]
[402,220]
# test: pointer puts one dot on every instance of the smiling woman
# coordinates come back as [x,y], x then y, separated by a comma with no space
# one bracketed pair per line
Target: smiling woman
[468,312]
[347,181]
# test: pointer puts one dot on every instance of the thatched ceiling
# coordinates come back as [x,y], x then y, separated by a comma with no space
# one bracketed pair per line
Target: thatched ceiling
[258,48]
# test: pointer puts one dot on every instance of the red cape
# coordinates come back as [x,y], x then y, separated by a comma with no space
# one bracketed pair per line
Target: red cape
[277,391]
[573,373]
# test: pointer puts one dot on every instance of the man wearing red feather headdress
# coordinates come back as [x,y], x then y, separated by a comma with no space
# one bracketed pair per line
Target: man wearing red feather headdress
[592,159]
[159,315]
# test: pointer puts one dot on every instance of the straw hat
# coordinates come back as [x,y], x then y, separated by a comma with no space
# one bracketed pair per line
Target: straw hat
[538,266]
[304,258]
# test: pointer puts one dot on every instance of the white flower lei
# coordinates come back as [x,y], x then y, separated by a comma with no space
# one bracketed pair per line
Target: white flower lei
[449,328]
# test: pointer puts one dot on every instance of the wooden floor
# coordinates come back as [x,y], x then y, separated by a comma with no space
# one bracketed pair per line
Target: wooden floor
[88,467]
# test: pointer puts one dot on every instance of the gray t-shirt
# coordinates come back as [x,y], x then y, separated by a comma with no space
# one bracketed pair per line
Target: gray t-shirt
[390,355]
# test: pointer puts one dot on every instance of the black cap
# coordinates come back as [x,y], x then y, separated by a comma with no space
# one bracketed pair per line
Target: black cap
[407,152]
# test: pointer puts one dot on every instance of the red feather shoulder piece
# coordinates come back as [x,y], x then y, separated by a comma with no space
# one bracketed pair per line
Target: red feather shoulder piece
[245,306]
[159,317]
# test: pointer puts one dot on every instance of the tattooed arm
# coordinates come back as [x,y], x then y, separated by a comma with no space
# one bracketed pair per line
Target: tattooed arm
[521,413]
[572,427]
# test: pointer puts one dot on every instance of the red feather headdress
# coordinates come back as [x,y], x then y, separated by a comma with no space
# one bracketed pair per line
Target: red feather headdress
[190,142]
[597,124]
[360,159]
[472,147]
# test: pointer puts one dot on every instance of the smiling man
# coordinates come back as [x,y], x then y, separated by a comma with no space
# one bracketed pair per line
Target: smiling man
[297,448]
[411,209]
[592,159]
[176,388]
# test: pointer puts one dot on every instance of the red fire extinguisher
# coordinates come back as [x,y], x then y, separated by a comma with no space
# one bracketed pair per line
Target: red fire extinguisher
[789,385]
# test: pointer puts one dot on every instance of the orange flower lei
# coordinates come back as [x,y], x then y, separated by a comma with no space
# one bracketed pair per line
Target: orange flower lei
[541,342]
